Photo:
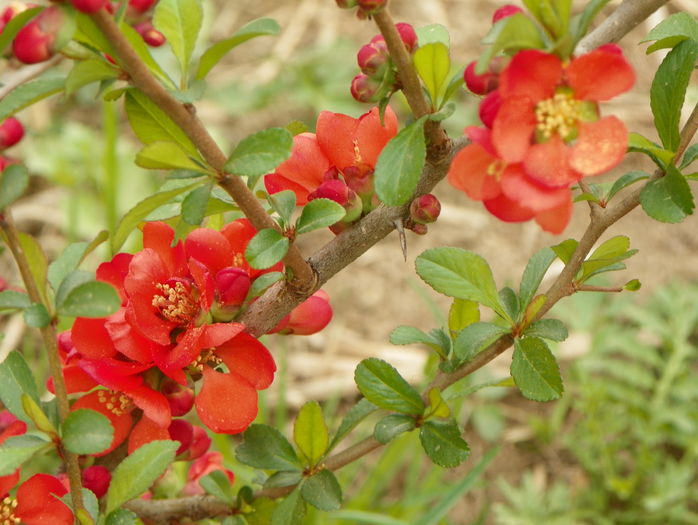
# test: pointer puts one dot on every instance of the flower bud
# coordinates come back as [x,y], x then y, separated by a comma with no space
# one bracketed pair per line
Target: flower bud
[504,12]
[489,106]
[339,192]
[97,479]
[200,442]
[363,88]
[183,431]
[419,229]
[480,84]
[149,34]
[373,58]
[232,285]
[180,397]
[425,209]
[88,6]
[408,35]
[11,132]
[35,41]
[9,13]
[201,467]
[141,6]
[309,317]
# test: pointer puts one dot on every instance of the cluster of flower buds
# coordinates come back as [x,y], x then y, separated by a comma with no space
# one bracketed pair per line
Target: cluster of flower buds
[378,77]
[423,210]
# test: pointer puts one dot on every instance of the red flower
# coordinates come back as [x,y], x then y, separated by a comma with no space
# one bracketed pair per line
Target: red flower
[342,146]
[37,503]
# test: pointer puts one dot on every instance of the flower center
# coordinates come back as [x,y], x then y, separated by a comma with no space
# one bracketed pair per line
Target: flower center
[357,153]
[116,402]
[558,114]
[175,303]
[206,357]
[496,168]
[7,511]
[238,260]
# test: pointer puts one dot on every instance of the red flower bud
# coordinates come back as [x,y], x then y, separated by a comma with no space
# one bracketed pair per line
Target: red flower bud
[183,431]
[11,132]
[489,106]
[419,229]
[149,34]
[364,88]
[504,12]
[338,191]
[34,42]
[200,442]
[408,35]
[373,58]
[97,479]
[425,209]
[180,397]
[232,285]
[88,6]
[480,84]
[141,6]
[9,13]
[309,317]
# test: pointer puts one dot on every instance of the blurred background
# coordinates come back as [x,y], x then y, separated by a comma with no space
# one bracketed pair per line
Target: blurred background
[619,448]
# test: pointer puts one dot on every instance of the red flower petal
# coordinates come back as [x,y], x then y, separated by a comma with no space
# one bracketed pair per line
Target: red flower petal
[216,334]
[16,428]
[532,74]
[76,380]
[122,422]
[37,506]
[8,482]
[114,272]
[601,145]
[249,358]
[556,219]
[188,348]
[158,236]
[469,172]
[548,163]
[513,128]
[128,340]
[372,137]
[520,188]
[600,75]
[144,432]
[209,247]
[203,279]
[227,403]
[507,210]
[275,182]
[153,404]
[91,338]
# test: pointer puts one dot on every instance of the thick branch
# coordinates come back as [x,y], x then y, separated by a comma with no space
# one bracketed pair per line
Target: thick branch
[185,117]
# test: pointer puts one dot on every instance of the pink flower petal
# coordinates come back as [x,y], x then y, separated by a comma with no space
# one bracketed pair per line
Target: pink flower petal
[555,220]
[507,210]
[520,188]
[548,163]
[601,145]
[513,128]
[470,172]
[532,74]
[600,75]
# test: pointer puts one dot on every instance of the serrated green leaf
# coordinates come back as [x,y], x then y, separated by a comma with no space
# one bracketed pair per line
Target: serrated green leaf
[407,335]
[668,91]
[509,34]
[356,415]
[14,181]
[143,52]
[217,484]
[90,299]
[91,510]
[290,511]
[461,274]
[71,257]
[660,156]
[28,93]
[140,211]
[195,204]
[86,432]
[16,379]
[283,203]
[689,156]
[13,300]
[392,426]
[552,329]
[510,302]
[259,27]
[611,248]
[669,198]
[383,386]
[263,282]
[266,448]
[535,370]
[18,449]
[15,24]
[624,181]
[437,404]
[443,443]
[565,249]
[180,22]
[260,153]
[86,72]
[456,82]
[319,213]
[474,338]
[533,274]
[322,491]
[433,65]
[400,165]
[284,478]
[266,249]
[162,155]
[310,432]
[135,474]
[671,31]
[462,313]
[37,316]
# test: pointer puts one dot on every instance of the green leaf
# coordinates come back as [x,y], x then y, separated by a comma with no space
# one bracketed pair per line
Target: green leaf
[180,22]
[18,449]
[143,52]
[400,165]
[87,432]
[263,282]
[660,156]
[87,71]
[283,203]
[28,93]
[565,249]
[162,155]
[38,264]
[151,124]
[266,448]
[433,33]
[310,432]
[135,474]
[383,386]
[322,491]
[535,370]
[443,443]
[266,249]
[16,379]
[13,300]
[91,507]
[319,213]
[611,248]
[36,414]
[71,257]
[284,478]
[14,25]
[14,180]
[437,405]
[392,426]
[579,24]
[669,198]
[195,204]
[672,30]
[37,316]
[689,156]
[459,273]
[474,338]
[534,273]
[89,299]
[122,517]
[624,181]
[260,153]
[290,511]
[88,33]
[510,34]
[668,91]
[217,484]
[407,335]
[433,65]
[633,285]
[140,211]
[356,415]
[510,302]
[552,329]
[259,27]
[462,313]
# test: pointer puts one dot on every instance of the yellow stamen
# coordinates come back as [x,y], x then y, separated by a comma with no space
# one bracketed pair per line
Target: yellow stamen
[115,402]
[7,514]
[558,114]
[175,304]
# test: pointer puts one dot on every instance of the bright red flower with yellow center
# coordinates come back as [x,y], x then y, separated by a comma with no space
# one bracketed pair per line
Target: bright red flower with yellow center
[37,503]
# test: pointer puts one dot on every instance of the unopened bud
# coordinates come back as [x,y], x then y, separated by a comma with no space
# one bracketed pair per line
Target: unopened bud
[88,6]
[183,431]
[425,209]
[309,317]
[180,397]
[408,35]
[363,88]
[338,191]
[489,107]
[232,285]
[149,34]
[373,58]
[141,6]
[200,442]
[480,84]
[97,479]
[11,132]
[35,42]
[504,12]
[419,229]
